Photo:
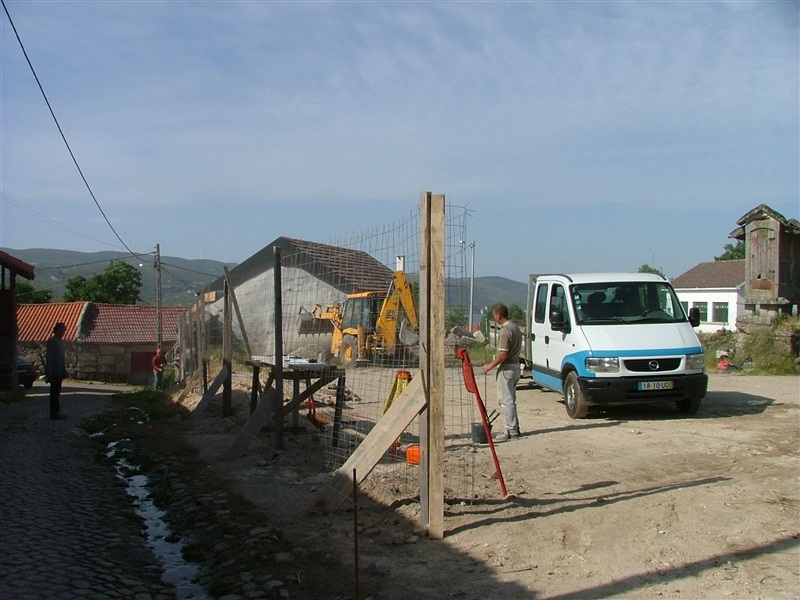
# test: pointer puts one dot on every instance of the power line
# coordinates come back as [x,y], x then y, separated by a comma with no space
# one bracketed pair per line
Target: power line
[138,256]
[189,270]
[32,212]
[188,285]
[96,262]
[61,132]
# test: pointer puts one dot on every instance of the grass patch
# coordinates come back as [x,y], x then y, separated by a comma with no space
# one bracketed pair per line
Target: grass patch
[141,405]
[155,404]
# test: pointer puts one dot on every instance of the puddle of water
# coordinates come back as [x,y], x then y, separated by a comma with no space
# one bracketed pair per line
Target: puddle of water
[176,571]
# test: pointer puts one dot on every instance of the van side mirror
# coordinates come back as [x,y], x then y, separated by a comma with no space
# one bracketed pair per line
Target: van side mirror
[694,316]
[557,321]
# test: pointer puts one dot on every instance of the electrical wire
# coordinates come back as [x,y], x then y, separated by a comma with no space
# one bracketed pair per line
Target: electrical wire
[6,198]
[96,262]
[189,270]
[61,132]
[188,286]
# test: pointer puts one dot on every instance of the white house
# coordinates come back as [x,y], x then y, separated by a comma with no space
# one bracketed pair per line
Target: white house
[717,289]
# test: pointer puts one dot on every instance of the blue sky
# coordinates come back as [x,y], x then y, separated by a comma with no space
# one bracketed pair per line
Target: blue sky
[585,136]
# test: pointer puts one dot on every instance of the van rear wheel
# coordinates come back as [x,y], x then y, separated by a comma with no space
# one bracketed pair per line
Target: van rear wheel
[574,402]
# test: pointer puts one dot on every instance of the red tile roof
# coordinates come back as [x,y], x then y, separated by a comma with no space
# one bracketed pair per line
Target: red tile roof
[98,323]
[36,321]
[131,324]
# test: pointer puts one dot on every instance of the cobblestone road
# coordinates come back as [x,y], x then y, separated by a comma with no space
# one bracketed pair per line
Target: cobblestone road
[68,529]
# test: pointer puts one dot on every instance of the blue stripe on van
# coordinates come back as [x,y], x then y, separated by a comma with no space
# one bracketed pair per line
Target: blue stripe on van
[578,359]
[546,380]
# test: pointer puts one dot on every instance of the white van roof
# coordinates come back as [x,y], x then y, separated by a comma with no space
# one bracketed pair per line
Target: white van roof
[605,277]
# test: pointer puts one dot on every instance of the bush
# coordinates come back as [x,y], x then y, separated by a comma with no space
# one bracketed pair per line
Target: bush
[773,350]
[715,341]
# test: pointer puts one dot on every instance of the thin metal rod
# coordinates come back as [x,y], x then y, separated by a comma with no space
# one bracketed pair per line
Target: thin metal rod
[356,595]
[471,288]
[278,349]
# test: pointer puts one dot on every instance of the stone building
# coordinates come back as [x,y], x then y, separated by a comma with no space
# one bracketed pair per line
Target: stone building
[105,342]
[772,262]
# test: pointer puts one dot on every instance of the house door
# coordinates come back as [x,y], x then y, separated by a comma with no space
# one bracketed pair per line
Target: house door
[141,367]
[762,259]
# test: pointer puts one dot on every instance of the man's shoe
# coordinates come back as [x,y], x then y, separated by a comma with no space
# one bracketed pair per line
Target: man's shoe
[58,417]
[503,436]
[506,435]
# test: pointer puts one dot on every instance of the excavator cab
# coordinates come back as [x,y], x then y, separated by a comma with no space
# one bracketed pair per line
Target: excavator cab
[361,309]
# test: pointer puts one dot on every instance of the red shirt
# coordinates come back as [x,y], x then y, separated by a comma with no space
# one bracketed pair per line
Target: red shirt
[159,360]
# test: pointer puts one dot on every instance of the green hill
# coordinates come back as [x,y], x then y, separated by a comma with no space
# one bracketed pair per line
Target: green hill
[181,278]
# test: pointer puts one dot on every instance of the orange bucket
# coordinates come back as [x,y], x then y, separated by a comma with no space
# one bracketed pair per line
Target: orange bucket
[412,455]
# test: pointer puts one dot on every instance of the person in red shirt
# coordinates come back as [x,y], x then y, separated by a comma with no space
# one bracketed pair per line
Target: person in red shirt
[159,362]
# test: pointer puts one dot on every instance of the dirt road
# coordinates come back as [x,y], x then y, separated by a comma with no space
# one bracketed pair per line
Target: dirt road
[632,503]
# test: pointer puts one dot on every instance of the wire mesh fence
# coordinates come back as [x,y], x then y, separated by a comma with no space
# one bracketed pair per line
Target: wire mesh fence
[349,303]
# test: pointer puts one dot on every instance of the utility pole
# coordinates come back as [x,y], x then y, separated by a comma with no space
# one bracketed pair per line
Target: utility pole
[158,286]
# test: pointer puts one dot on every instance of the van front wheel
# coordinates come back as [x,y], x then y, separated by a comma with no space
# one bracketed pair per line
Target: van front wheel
[575,403]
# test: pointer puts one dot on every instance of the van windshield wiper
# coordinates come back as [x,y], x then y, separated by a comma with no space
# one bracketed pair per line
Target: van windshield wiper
[656,320]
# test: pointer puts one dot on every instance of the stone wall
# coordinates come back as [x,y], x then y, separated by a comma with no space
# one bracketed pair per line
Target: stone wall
[95,362]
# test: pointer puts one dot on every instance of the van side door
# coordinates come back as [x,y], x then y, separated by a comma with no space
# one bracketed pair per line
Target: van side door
[540,332]
[562,331]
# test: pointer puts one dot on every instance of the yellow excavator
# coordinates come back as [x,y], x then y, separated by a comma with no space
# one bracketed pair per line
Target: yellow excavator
[368,327]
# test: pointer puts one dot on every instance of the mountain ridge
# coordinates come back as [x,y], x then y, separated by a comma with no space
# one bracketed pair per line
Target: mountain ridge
[182,279]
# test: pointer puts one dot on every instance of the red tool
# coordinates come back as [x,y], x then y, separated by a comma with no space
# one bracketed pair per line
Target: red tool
[312,414]
[472,387]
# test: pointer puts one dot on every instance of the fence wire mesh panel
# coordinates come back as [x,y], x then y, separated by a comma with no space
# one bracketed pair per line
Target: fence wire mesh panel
[349,303]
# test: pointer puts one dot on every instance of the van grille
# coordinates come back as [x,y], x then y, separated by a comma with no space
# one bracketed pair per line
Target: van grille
[645,365]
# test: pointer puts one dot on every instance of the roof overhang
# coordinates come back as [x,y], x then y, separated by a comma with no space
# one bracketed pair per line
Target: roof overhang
[16,265]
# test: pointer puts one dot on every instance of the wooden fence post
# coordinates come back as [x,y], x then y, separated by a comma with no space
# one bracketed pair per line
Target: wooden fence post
[432,360]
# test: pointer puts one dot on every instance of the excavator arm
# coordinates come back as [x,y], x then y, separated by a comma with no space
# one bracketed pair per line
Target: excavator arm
[400,296]
[403,288]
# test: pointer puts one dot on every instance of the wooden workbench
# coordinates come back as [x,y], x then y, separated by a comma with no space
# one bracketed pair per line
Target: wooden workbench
[266,402]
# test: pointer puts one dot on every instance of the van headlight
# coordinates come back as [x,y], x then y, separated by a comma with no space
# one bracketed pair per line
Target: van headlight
[695,362]
[595,364]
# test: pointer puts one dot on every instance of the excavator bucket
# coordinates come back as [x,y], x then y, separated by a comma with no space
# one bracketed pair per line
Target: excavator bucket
[407,335]
[311,325]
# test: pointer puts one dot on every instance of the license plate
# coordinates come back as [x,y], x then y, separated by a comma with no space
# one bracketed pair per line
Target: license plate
[655,385]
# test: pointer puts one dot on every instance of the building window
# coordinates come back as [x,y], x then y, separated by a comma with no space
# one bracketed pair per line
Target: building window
[703,308]
[685,306]
[720,312]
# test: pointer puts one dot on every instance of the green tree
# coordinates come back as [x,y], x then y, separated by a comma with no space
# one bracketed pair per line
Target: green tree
[27,294]
[645,268]
[516,314]
[732,251]
[456,316]
[120,283]
[75,289]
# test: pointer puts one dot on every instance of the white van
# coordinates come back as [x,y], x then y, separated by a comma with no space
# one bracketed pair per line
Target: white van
[613,338]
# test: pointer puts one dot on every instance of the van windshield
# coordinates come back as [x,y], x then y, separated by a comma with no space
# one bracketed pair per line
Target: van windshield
[626,302]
